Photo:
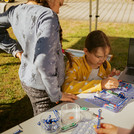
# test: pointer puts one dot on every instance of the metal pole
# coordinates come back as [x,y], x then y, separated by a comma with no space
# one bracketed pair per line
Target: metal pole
[90,15]
[97,7]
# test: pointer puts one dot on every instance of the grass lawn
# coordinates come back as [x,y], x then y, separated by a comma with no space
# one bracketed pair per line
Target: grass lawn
[14,104]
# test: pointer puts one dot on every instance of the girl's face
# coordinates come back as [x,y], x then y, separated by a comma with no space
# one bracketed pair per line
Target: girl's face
[95,59]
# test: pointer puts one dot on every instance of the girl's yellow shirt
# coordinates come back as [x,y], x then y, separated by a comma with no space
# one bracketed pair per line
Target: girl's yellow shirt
[76,78]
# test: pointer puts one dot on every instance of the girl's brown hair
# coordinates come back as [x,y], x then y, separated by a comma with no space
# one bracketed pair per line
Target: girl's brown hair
[97,39]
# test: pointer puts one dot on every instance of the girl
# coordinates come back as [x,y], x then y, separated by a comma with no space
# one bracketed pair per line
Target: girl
[91,72]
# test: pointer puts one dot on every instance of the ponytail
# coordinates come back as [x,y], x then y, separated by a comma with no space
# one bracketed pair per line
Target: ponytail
[67,54]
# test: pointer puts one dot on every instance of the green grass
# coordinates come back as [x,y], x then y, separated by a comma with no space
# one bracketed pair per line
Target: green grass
[14,104]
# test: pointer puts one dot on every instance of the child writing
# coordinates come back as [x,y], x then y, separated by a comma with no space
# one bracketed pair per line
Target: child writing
[92,72]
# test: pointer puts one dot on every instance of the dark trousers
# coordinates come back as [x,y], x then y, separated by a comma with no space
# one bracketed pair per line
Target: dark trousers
[39,99]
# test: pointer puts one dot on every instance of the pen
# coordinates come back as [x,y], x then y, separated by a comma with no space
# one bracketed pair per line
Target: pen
[18,132]
[102,99]
[48,120]
[112,92]
[122,101]
[95,115]
[68,127]
[87,109]
[56,114]
[108,106]
[99,118]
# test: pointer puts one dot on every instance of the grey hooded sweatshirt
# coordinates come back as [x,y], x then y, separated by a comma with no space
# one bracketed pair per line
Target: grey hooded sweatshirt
[37,31]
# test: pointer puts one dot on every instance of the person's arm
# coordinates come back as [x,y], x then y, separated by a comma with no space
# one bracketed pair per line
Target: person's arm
[123,131]
[7,44]
[75,86]
[19,55]
[132,131]
[111,129]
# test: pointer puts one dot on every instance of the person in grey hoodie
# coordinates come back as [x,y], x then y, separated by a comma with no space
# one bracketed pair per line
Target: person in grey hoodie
[41,72]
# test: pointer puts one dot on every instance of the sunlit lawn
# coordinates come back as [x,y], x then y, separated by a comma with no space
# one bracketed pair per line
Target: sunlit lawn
[14,104]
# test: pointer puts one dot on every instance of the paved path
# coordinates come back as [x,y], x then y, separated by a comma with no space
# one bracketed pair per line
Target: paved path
[116,11]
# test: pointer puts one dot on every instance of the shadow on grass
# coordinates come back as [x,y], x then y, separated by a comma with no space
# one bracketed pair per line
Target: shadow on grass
[10,64]
[12,114]
[1,51]
[64,40]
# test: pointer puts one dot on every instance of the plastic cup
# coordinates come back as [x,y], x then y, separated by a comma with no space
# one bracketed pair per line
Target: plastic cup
[53,127]
[70,113]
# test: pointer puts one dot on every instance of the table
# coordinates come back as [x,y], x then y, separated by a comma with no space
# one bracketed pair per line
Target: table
[124,118]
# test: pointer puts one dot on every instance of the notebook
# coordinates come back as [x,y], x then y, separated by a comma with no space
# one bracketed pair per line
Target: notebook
[128,74]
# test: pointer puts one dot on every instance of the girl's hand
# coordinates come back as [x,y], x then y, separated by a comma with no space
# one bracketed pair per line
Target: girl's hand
[109,83]
[68,97]
[114,72]
[107,129]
